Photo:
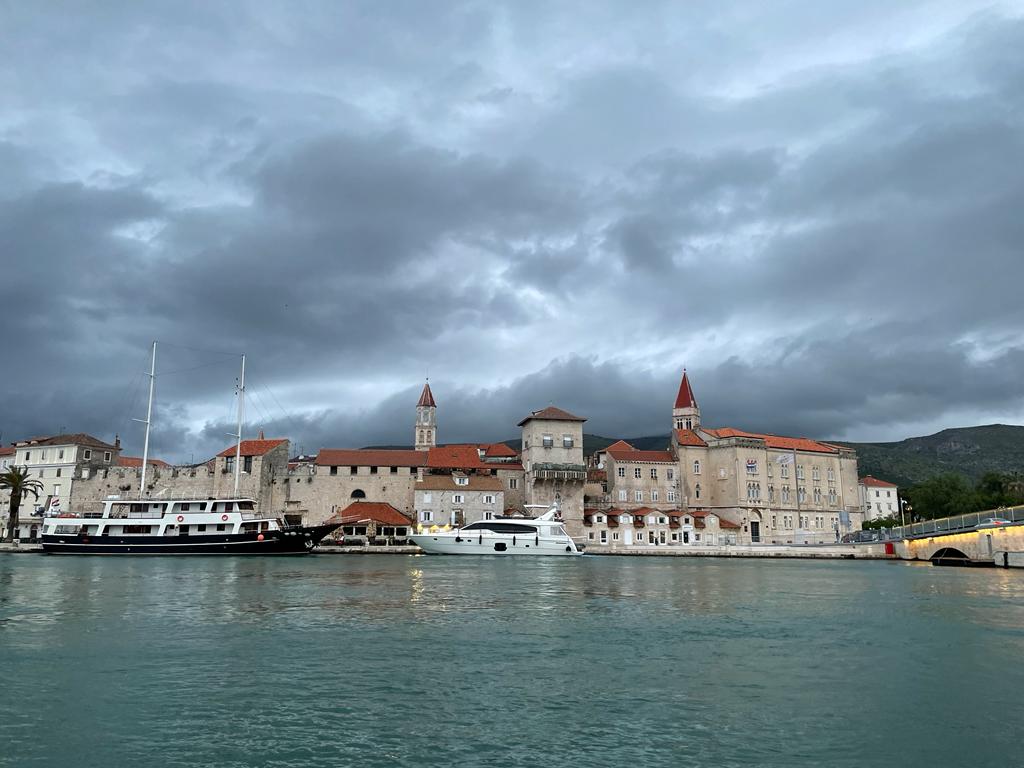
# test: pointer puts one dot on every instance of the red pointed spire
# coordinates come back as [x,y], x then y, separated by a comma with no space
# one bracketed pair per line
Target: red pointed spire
[685,398]
[426,397]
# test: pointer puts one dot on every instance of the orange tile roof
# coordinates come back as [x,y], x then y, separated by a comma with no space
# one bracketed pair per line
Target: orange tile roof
[620,445]
[372,511]
[136,462]
[699,515]
[253,447]
[78,438]
[643,457]
[514,466]
[551,413]
[874,482]
[455,457]
[7,451]
[370,457]
[426,397]
[447,483]
[689,437]
[685,398]
[777,441]
[498,451]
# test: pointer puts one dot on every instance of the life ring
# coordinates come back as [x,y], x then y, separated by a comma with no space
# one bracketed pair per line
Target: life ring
[181,518]
[224,518]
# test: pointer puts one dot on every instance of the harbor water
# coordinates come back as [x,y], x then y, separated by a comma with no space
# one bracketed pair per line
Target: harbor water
[465,661]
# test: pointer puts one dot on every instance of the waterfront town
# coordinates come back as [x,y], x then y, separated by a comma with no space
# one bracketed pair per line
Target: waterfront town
[708,486]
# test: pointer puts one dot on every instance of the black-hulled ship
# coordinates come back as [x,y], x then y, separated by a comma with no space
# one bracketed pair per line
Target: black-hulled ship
[178,527]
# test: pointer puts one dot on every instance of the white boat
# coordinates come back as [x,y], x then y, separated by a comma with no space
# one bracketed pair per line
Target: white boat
[178,527]
[544,535]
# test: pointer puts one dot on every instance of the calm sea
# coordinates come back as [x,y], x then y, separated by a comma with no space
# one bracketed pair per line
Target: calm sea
[461,661]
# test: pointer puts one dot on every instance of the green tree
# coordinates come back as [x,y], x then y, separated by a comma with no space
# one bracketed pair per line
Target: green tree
[943,496]
[20,485]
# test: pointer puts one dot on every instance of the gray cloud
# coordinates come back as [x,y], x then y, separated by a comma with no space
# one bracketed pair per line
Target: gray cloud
[528,204]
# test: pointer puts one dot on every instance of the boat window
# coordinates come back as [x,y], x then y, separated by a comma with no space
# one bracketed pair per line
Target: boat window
[498,526]
[246,506]
[136,529]
[221,527]
[200,527]
[66,529]
[249,527]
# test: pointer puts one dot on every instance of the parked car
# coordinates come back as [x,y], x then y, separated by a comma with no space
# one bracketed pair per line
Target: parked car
[993,522]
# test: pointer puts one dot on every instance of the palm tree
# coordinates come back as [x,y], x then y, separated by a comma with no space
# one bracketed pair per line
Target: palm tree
[17,481]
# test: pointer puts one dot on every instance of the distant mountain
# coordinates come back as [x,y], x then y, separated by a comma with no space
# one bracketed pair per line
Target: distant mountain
[970,451]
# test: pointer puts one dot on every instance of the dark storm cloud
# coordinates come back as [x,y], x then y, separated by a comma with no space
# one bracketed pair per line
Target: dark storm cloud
[529,204]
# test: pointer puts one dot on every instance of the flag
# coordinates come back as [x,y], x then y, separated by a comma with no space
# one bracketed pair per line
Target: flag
[784,458]
[55,504]
[752,466]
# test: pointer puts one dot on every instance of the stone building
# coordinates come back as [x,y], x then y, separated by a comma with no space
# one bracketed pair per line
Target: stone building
[553,462]
[62,463]
[458,499]
[734,486]
[264,464]
[373,522]
[878,498]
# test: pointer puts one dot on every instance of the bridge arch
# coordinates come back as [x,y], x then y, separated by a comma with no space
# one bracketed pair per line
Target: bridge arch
[950,556]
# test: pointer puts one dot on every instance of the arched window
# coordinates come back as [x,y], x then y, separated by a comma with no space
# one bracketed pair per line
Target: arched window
[358,494]
[696,491]
[696,466]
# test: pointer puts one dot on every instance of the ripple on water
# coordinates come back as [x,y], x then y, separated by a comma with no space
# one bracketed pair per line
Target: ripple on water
[377,660]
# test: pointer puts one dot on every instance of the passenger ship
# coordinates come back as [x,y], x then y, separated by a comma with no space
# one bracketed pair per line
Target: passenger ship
[178,527]
[544,535]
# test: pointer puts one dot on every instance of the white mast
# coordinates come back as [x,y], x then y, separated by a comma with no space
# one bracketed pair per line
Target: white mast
[149,418]
[241,416]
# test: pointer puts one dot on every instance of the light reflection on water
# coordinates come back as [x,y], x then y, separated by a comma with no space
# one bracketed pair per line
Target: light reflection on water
[377,660]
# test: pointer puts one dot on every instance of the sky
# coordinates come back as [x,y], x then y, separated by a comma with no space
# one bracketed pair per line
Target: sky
[816,208]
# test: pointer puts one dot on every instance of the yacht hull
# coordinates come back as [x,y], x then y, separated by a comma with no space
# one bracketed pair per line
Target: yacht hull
[468,544]
[290,541]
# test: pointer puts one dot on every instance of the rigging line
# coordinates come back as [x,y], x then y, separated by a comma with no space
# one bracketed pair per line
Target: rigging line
[288,416]
[126,414]
[256,399]
[193,368]
[199,349]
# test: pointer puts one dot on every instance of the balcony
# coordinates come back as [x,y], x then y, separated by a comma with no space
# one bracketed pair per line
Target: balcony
[550,471]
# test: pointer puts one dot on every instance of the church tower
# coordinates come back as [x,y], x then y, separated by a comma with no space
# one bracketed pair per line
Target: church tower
[686,413]
[426,420]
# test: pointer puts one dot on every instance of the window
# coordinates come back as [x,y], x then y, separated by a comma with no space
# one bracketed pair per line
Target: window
[785,493]
[876,494]
[458,498]
[831,475]
[696,491]
[353,470]
[638,496]
[590,535]
[784,472]
[42,455]
[513,483]
[600,518]
[604,537]
[358,493]
[334,470]
[774,523]
[622,494]
[106,455]
[654,473]
[374,470]
[229,463]
[801,493]
[28,455]
[671,495]
[622,472]
[637,473]
[425,516]
[56,491]
[488,499]
[547,441]
[817,495]
[567,441]
[60,455]
[671,474]
[58,472]
[696,466]
[815,473]
[654,495]
[247,463]
[86,454]
[771,494]
[462,481]
[799,471]
[393,470]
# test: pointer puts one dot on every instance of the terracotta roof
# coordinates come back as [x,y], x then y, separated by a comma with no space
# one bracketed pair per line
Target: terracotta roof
[370,457]
[874,482]
[689,437]
[514,466]
[372,511]
[136,461]
[254,447]
[700,515]
[551,414]
[643,457]
[685,398]
[447,483]
[498,451]
[455,457]
[777,441]
[426,397]
[78,438]
[619,445]
[7,451]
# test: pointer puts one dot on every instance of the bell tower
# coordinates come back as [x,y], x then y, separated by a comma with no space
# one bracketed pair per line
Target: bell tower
[426,420]
[686,413]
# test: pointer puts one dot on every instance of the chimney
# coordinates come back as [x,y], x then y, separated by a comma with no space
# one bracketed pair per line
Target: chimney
[117,442]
